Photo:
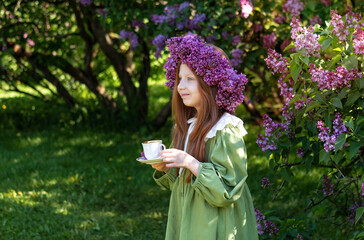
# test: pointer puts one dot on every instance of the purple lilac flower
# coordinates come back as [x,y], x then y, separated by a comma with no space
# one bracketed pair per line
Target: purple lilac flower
[25,35]
[299,236]
[326,2]
[182,25]
[328,80]
[324,135]
[225,35]
[236,57]
[276,62]
[305,38]
[352,213]
[236,39]
[137,23]
[315,20]
[264,225]
[327,187]
[257,27]
[160,42]
[197,19]
[265,182]
[300,152]
[340,30]
[85,2]
[158,19]
[362,189]
[133,38]
[294,7]
[279,19]
[265,143]
[269,41]
[103,12]
[210,39]
[183,6]
[246,8]
[358,42]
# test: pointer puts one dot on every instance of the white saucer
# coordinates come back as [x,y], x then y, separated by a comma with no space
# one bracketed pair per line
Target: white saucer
[150,161]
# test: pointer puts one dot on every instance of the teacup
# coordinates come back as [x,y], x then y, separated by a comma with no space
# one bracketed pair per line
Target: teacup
[153,148]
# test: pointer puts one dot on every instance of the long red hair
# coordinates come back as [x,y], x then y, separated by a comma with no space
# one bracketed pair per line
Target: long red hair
[204,122]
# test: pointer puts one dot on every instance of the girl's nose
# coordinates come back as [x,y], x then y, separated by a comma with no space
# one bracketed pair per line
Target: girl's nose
[181,84]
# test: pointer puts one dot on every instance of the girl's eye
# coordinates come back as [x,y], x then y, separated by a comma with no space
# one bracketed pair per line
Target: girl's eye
[189,78]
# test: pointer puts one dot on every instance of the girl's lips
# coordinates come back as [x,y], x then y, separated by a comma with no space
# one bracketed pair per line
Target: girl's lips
[184,95]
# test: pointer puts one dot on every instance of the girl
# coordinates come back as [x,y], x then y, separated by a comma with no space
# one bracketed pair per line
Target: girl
[206,168]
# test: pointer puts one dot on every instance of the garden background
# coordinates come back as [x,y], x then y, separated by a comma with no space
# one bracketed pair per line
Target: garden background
[82,85]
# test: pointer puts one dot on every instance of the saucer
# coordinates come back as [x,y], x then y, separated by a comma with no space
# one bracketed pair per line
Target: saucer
[149,161]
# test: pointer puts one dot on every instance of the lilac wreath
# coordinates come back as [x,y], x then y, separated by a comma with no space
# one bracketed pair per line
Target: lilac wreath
[210,65]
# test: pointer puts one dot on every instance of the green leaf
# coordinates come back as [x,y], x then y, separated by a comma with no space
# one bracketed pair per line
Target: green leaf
[334,61]
[324,156]
[320,97]
[295,71]
[286,174]
[311,105]
[361,82]
[350,62]
[359,214]
[350,123]
[326,44]
[354,148]
[305,59]
[343,92]
[338,157]
[336,102]
[352,98]
[340,141]
[291,45]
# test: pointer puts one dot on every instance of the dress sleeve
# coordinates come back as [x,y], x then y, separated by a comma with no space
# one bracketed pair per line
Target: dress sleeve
[221,180]
[165,180]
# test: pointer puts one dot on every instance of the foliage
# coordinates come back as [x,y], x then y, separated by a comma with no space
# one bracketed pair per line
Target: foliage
[322,123]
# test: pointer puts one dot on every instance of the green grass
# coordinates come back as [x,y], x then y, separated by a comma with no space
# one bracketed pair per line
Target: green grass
[59,184]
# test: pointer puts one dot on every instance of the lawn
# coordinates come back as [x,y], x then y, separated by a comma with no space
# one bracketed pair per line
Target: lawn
[85,184]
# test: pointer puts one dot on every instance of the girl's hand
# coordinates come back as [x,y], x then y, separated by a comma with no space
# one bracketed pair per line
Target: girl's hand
[160,167]
[180,159]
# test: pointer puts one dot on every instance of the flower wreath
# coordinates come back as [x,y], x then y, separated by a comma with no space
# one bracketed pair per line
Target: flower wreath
[208,64]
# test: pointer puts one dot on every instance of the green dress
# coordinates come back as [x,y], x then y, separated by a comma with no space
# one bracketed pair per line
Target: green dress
[217,203]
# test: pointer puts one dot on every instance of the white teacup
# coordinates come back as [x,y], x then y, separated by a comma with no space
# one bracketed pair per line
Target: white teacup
[153,148]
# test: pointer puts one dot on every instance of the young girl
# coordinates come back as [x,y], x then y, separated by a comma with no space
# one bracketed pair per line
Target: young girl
[206,168]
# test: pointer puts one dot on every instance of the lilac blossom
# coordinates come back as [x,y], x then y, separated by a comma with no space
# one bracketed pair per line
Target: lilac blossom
[276,62]
[327,187]
[133,38]
[246,8]
[158,19]
[236,40]
[138,23]
[225,35]
[324,132]
[183,6]
[304,38]
[300,152]
[236,57]
[103,12]
[197,19]
[30,42]
[25,35]
[315,20]
[294,7]
[160,42]
[266,143]
[86,2]
[210,39]
[326,2]
[269,41]
[352,213]
[362,188]
[264,225]
[358,42]
[299,236]
[279,19]
[257,27]
[340,30]
[265,182]
[330,80]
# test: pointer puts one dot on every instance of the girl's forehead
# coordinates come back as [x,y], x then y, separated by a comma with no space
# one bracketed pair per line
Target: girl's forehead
[184,70]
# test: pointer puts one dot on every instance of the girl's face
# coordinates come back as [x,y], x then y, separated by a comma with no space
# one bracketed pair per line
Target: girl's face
[188,88]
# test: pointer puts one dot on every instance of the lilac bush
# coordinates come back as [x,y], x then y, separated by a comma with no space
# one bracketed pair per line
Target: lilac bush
[322,123]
